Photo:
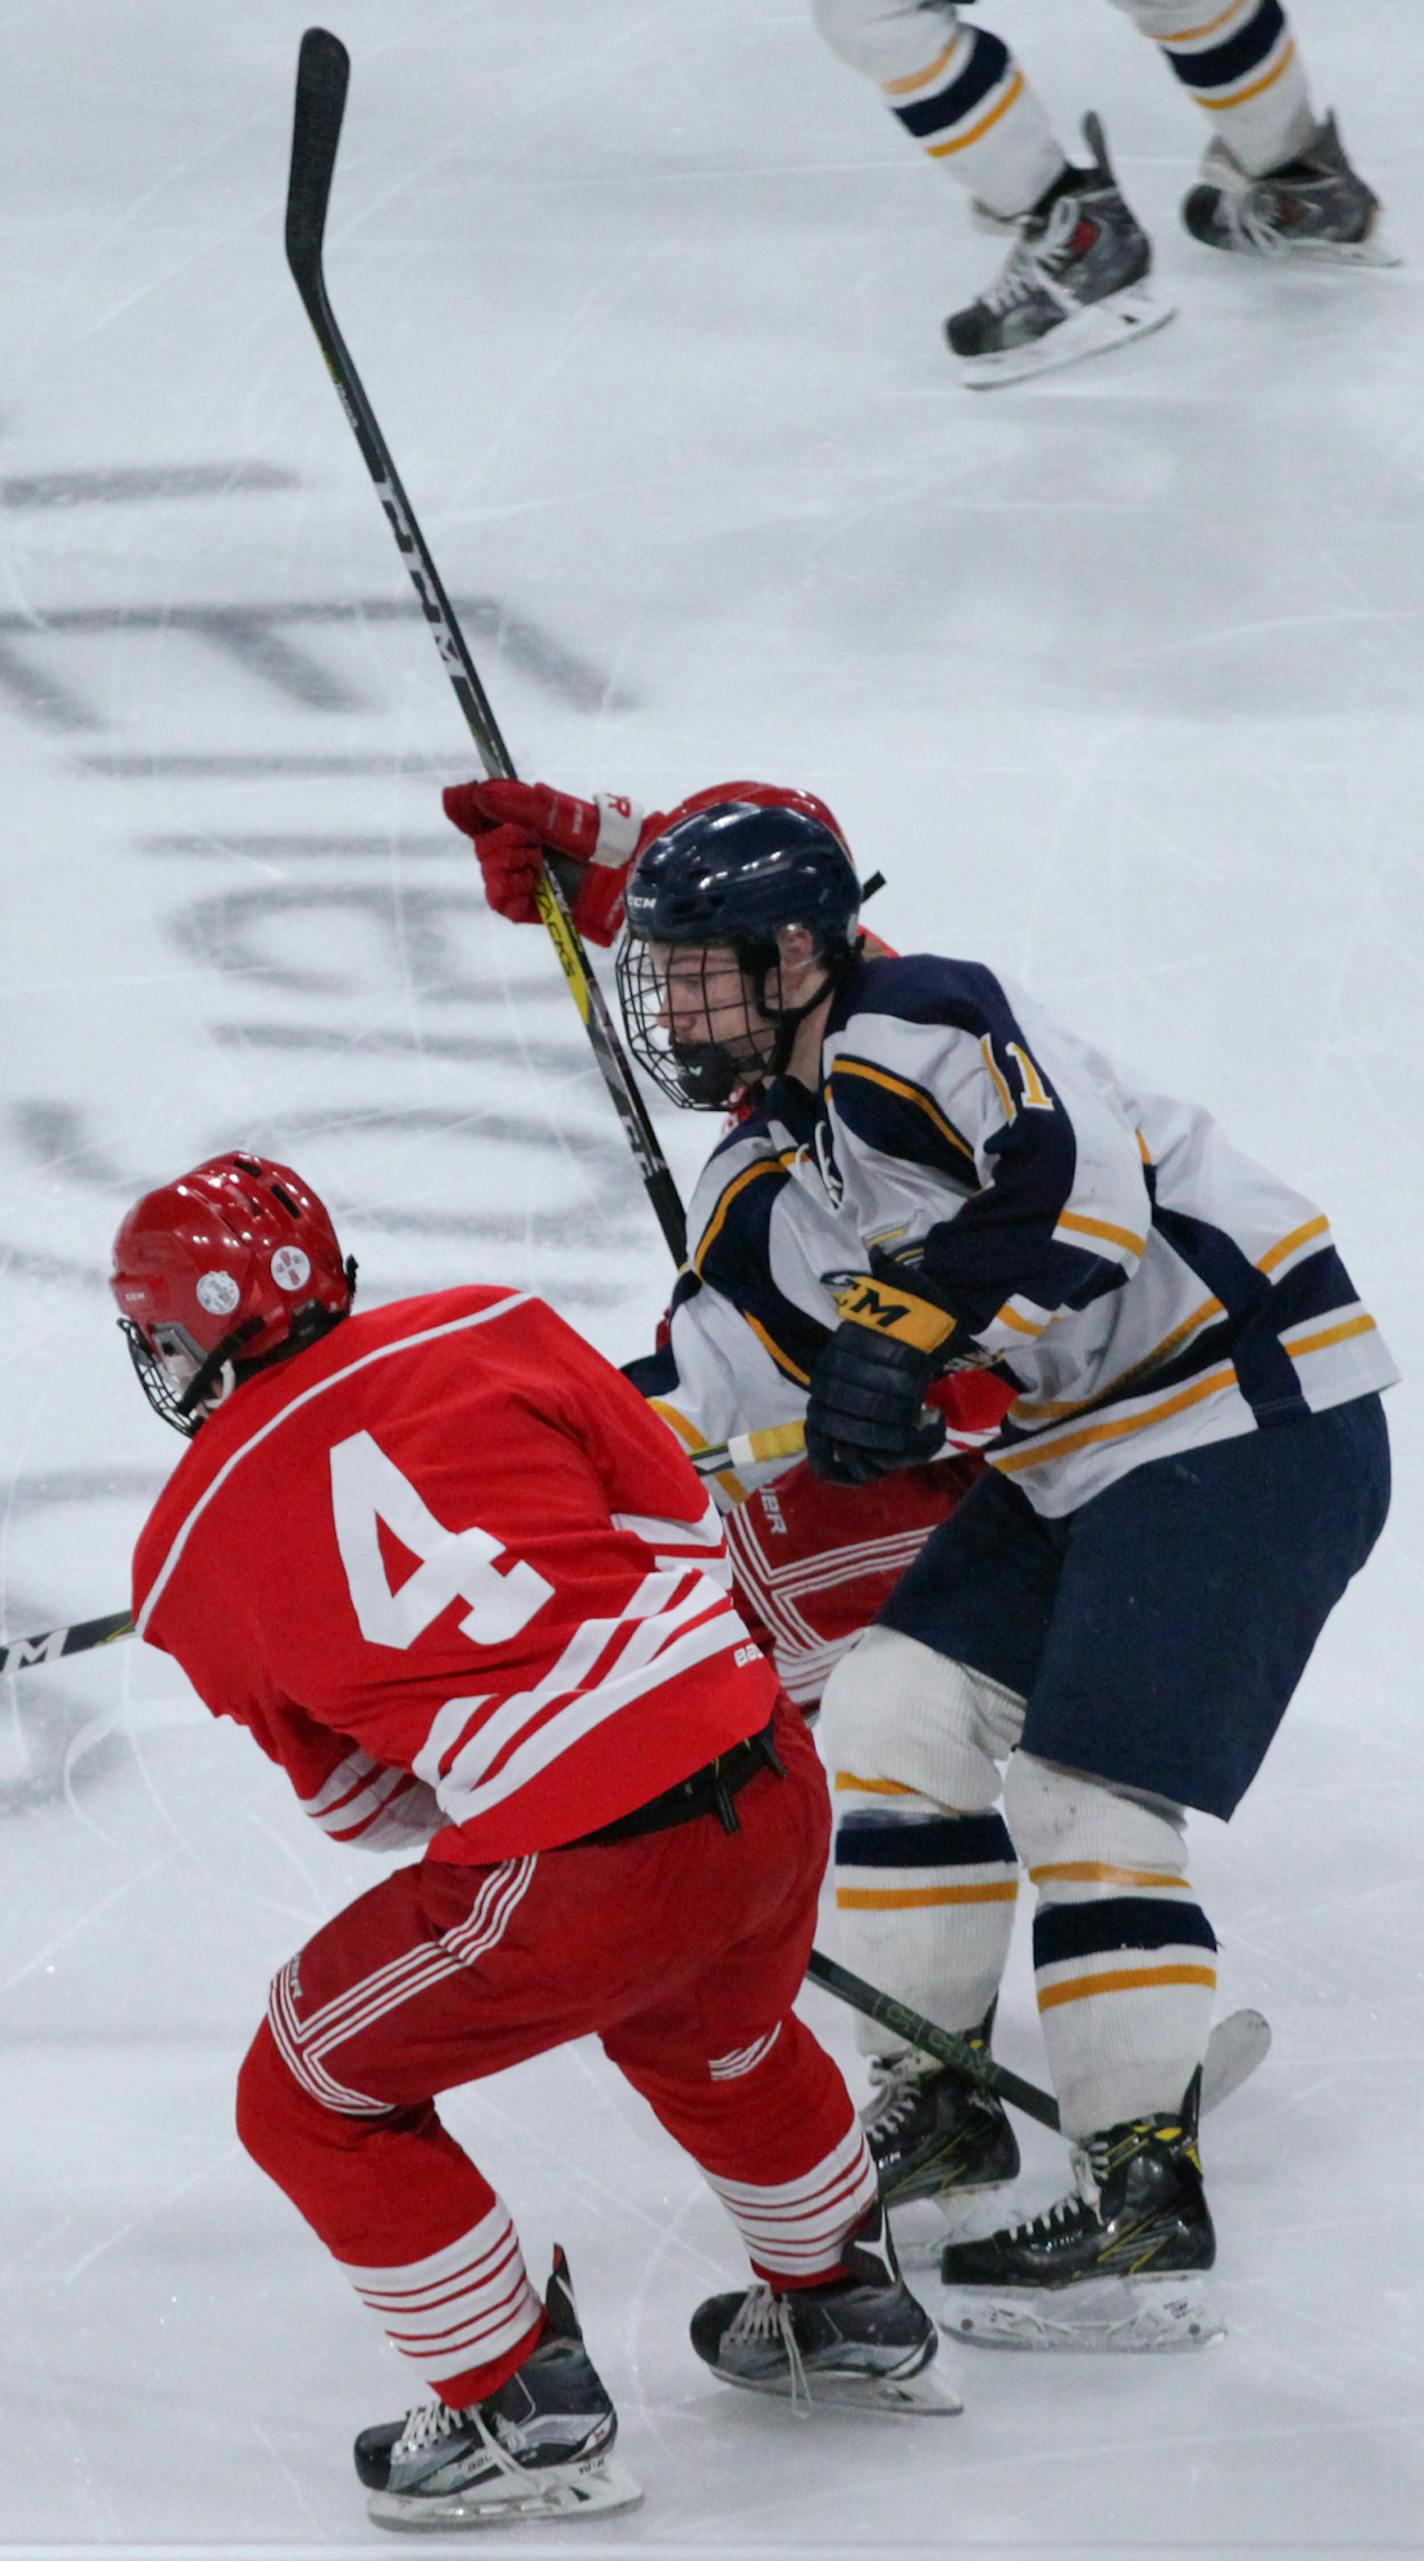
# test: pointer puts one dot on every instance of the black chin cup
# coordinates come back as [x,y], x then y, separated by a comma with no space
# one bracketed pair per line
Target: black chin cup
[707,1077]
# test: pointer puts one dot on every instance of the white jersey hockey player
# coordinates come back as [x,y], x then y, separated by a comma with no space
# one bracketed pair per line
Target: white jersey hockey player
[935,1176]
[1275,181]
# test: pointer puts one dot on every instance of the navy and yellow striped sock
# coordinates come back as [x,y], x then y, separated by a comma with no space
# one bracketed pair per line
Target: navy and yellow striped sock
[925,1908]
[1242,65]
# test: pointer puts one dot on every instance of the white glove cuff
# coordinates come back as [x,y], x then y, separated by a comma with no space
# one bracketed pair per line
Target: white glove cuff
[620,824]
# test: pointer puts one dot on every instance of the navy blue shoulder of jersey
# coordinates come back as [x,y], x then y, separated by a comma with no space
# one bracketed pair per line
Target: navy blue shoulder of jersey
[924,987]
[731,1252]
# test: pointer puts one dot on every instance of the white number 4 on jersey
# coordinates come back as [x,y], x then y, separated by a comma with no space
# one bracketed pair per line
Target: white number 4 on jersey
[367,1487]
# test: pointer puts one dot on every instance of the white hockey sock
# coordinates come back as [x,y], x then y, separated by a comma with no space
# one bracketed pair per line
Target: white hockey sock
[924,1907]
[796,2228]
[459,2308]
[1242,65]
[1124,1956]
[925,1871]
[957,91]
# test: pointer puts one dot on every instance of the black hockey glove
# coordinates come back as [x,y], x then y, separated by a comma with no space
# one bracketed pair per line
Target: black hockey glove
[866,1415]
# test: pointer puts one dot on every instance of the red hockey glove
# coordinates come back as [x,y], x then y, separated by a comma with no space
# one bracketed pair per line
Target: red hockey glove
[515,825]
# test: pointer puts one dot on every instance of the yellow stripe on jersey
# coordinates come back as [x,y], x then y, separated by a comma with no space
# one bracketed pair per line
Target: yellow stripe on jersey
[693,1440]
[847,1780]
[912,81]
[908,1093]
[1018,1324]
[1329,1334]
[739,1182]
[1027,1412]
[975,132]
[1298,1236]
[1080,1226]
[917,1898]
[1128,1978]
[783,1360]
[1062,1446]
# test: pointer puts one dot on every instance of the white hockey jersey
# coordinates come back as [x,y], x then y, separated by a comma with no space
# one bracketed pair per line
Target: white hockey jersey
[1143,1285]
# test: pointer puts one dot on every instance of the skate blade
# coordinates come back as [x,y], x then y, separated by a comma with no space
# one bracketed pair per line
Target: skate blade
[1104,2315]
[588,2489]
[924,2395]
[1094,331]
[1372,251]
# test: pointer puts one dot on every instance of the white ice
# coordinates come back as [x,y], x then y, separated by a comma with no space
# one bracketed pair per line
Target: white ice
[1117,676]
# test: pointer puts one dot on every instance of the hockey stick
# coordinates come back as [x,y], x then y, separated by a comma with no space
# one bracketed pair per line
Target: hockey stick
[22,1651]
[323,74]
[1236,2046]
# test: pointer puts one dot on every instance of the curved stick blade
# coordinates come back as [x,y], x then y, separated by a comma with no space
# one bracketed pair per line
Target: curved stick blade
[323,75]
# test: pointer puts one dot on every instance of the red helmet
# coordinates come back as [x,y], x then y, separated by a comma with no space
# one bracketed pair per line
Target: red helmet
[760,796]
[237,1260]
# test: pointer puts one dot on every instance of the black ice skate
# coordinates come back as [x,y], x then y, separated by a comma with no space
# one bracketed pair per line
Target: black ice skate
[862,2342]
[1075,283]
[932,2136]
[1119,2264]
[538,2447]
[1316,208]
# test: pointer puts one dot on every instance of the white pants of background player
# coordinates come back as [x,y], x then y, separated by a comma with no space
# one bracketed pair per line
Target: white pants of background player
[921,1753]
[960,94]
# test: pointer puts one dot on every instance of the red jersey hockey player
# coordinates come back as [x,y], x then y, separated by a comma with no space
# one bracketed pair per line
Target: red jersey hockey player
[463,1587]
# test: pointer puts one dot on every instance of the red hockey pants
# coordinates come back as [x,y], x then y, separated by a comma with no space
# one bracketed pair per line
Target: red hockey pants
[682,1950]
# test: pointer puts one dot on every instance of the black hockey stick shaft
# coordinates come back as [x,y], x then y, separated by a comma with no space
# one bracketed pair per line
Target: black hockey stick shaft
[323,74]
[977,2069]
[86,1633]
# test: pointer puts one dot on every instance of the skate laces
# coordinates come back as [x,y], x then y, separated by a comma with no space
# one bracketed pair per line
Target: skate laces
[1081,2201]
[435,2420]
[1250,225]
[899,2080]
[426,2426]
[1036,259]
[764,2315]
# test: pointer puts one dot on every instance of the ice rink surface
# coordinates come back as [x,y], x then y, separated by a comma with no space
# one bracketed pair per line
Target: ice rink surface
[1116,676]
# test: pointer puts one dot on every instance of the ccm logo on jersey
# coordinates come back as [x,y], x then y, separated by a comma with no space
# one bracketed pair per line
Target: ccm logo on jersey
[861,1300]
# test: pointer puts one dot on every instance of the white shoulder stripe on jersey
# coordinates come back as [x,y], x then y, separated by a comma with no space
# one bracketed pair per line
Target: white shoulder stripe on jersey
[706,1532]
[383,1351]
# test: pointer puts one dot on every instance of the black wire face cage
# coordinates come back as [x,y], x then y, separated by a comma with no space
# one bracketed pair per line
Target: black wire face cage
[160,1370]
[753,1041]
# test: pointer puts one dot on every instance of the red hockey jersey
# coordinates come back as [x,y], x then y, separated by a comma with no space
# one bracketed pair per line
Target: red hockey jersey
[449,1544]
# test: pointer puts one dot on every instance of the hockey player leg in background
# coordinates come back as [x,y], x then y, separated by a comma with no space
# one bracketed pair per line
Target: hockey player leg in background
[1275,182]
[462,1586]
[936,1176]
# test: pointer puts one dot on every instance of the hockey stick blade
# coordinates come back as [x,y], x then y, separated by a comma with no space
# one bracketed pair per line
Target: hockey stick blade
[1237,2046]
[23,1651]
[323,77]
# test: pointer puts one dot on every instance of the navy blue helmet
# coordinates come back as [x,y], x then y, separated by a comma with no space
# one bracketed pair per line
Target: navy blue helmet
[737,864]
[733,866]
